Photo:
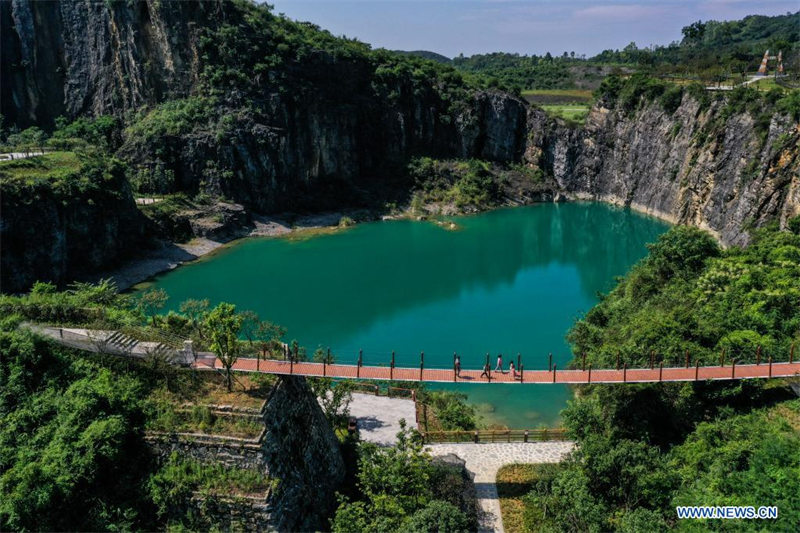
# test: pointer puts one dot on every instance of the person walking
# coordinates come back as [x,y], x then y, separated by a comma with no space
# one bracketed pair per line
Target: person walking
[499,366]
[486,370]
[512,369]
[457,365]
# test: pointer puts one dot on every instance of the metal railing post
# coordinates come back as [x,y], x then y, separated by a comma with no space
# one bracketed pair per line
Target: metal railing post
[770,366]
[391,367]
[660,370]
[696,368]
[758,355]
[421,364]
[589,378]
[554,373]
[624,372]
[521,374]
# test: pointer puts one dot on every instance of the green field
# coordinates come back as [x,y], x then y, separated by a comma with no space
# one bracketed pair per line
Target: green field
[573,112]
[558,96]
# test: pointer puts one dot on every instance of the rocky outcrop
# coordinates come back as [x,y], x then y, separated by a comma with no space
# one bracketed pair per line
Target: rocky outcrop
[59,231]
[297,451]
[706,167]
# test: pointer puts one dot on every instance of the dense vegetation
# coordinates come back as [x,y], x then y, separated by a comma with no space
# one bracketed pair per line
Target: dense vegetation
[72,424]
[645,448]
[709,51]
[400,489]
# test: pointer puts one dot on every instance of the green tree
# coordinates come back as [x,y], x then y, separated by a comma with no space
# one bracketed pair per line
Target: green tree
[196,311]
[437,516]
[150,302]
[224,324]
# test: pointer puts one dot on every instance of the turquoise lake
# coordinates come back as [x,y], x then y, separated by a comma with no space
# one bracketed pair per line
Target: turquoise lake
[508,281]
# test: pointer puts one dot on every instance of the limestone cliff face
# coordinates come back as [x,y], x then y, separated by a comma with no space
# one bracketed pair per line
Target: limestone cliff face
[88,57]
[322,151]
[694,166]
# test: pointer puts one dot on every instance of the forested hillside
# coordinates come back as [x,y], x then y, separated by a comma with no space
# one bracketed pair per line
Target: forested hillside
[644,449]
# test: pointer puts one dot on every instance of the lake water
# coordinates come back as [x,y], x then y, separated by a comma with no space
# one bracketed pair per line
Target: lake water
[509,281]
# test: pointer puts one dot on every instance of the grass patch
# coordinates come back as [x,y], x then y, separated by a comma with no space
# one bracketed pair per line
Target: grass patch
[513,483]
[50,166]
[558,96]
[187,407]
[573,112]
[249,391]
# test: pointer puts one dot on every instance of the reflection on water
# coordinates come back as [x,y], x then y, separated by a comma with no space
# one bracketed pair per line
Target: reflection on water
[509,281]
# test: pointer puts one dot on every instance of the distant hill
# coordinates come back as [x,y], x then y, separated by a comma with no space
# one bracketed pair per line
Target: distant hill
[425,54]
[782,31]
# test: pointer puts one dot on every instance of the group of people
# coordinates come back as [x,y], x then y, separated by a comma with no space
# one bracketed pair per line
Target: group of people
[486,368]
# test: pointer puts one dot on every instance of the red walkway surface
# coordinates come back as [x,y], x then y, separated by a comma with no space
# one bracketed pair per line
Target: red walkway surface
[631,375]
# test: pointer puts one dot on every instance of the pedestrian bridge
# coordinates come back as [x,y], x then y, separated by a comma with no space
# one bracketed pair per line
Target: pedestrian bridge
[113,342]
[652,374]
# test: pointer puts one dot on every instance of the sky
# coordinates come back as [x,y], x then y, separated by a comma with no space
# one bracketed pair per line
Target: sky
[451,27]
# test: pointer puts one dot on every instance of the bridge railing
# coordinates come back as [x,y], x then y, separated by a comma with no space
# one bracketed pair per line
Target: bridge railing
[494,435]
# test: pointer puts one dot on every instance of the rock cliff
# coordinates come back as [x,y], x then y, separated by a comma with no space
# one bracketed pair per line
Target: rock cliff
[698,165]
[297,450]
[85,57]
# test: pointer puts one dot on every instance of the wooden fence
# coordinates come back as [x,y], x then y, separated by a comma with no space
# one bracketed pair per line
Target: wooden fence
[494,435]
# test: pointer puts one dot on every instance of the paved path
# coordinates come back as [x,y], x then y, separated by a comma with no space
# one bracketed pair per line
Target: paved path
[9,156]
[379,416]
[483,462]
[626,375]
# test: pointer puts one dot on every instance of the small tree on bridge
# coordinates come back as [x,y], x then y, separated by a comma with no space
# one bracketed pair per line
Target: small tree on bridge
[223,325]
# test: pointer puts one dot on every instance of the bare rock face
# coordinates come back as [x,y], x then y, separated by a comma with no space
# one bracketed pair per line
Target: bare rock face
[85,57]
[303,453]
[694,166]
